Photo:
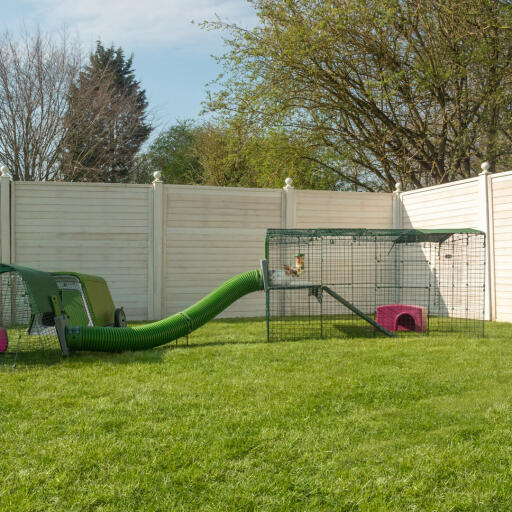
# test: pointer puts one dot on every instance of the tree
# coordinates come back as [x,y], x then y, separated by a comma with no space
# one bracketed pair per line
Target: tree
[174,154]
[393,90]
[35,74]
[106,119]
[229,155]
[233,155]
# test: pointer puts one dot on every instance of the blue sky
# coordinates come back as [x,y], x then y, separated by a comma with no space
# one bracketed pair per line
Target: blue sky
[172,55]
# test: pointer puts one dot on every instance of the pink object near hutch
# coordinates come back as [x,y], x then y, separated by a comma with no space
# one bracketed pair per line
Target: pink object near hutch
[3,340]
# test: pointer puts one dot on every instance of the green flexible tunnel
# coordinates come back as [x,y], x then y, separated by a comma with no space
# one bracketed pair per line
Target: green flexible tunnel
[111,339]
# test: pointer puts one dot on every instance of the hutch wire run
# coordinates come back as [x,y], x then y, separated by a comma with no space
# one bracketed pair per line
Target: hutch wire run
[323,283]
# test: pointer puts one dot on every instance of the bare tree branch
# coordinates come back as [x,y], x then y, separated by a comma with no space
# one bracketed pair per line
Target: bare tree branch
[35,74]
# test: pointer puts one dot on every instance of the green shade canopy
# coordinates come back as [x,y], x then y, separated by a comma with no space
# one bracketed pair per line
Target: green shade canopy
[398,235]
[41,286]
[431,235]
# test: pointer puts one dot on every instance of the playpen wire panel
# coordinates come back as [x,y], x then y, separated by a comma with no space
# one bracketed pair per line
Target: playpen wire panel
[25,332]
[444,273]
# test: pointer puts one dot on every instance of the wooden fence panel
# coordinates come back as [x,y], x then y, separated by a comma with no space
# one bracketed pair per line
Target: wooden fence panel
[99,229]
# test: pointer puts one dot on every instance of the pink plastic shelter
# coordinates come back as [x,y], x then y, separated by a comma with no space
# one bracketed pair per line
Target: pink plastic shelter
[402,317]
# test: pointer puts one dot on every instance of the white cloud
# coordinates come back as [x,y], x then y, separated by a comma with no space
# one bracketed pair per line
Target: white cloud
[161,23]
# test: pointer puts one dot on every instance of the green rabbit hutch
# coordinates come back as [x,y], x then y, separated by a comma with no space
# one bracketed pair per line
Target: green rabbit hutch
[34,305]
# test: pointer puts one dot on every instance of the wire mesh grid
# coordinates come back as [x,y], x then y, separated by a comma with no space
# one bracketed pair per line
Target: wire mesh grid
[24,335]
[309,270]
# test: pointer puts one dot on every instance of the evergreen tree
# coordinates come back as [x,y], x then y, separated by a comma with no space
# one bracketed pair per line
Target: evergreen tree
[106,119]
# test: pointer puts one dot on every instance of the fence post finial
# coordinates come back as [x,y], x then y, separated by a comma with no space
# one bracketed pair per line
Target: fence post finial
[485,168]
[5,171]
[288,182]
[157,175]
[398,187]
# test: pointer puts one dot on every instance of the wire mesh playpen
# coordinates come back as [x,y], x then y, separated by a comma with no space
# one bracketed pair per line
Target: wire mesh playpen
[339,282]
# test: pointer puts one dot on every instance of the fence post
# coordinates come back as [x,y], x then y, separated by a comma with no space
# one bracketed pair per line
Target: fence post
[5,214]
[158,205]
[486,225]
[397,206]
[289,208]
[288,221]
[397,224]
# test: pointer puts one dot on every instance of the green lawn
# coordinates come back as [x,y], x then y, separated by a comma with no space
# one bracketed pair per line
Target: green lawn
[232,423]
